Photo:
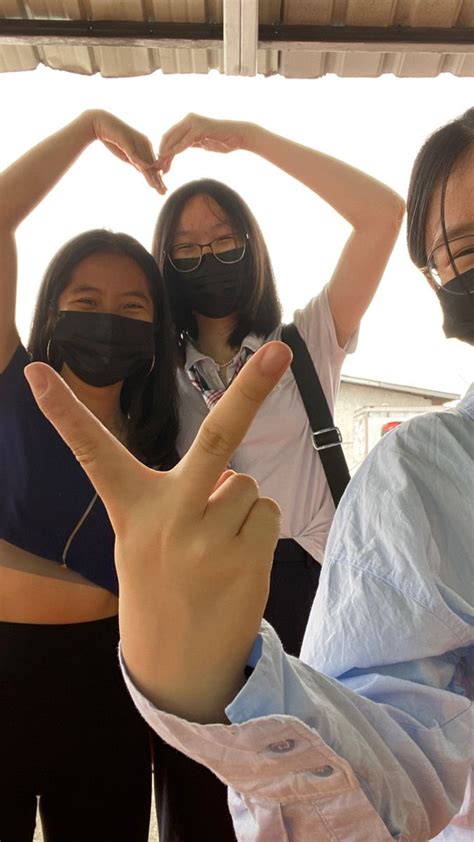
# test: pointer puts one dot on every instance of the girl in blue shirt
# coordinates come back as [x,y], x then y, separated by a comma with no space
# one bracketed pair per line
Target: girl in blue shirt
[69,733]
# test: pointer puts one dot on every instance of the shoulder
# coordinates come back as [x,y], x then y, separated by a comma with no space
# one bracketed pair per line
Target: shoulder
[417,441]
[412,491]
[316,325]
[12,378]
[429,439]
[385,489]
[19,359]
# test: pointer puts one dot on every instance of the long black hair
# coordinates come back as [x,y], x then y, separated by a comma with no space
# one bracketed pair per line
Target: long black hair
[148,399]
[433,166]
[260,308]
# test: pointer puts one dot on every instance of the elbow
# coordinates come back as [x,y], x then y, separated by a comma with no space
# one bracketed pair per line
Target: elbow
[8,223]
[391,215]
[399,207]
[381,219]
[385,219]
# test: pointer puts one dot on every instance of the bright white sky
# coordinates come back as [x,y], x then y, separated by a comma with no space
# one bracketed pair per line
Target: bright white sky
[375,124]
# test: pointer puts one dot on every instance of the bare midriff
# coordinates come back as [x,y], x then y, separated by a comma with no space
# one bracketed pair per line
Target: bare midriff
[35,590]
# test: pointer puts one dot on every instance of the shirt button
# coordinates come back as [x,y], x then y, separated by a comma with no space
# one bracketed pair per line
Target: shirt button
[323,772]
[282,746]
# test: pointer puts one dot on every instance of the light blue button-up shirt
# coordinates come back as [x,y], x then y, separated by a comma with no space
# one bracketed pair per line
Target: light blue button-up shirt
[370,736]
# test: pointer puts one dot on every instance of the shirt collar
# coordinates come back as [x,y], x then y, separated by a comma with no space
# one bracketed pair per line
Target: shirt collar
[193,355]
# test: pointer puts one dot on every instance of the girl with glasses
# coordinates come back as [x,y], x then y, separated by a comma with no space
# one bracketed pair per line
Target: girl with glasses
[218,273]
[441,222]
[369,736]
[68,732]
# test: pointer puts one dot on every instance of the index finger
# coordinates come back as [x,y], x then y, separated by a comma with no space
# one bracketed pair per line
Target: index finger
[227,423]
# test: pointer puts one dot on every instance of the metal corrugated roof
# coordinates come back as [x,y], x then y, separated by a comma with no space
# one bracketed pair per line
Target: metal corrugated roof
[296,38]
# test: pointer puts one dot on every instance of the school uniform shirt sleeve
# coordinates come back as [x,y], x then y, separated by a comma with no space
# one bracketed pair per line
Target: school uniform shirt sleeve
[369,737]
[316,325]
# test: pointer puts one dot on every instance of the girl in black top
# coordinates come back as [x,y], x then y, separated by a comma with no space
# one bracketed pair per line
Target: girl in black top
[68,732]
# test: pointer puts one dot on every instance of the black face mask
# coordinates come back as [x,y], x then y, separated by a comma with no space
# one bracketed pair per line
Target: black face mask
[214,288]
[458,308]
[102,348]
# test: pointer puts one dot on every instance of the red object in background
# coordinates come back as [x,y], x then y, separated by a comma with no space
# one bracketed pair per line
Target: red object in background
[389,425]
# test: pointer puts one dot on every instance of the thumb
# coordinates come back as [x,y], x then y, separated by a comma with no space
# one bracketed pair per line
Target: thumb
[115,474]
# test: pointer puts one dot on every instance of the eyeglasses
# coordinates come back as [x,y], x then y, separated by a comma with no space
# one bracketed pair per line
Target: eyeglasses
[186,257]
[447,261]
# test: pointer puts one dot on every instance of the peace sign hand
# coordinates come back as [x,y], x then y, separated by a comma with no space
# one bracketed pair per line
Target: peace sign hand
[194,546]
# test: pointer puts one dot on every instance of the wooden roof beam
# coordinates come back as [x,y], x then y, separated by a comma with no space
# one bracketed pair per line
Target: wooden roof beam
[240,37]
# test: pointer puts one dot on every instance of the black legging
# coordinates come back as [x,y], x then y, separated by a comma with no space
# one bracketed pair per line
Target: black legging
[70,734]
[191,802]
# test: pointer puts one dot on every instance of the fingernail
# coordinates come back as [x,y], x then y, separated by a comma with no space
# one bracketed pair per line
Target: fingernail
[37,379]
[274,358]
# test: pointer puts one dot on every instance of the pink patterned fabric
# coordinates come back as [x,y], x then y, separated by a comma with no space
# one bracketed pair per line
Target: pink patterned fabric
[211,396]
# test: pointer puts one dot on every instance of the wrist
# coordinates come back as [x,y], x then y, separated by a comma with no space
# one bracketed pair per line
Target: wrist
[194,685]
[88,121]
[194,695]
[251,133]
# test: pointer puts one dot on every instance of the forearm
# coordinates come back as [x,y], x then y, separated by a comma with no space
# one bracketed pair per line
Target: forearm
[27,181]
[360,199]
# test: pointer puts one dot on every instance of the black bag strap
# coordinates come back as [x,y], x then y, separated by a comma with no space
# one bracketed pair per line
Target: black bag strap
[326,438]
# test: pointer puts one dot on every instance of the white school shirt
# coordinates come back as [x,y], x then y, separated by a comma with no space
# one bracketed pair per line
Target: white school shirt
[277,450]
[370,737]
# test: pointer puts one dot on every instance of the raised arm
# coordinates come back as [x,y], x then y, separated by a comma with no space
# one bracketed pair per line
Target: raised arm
[374,211]
[26,182]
